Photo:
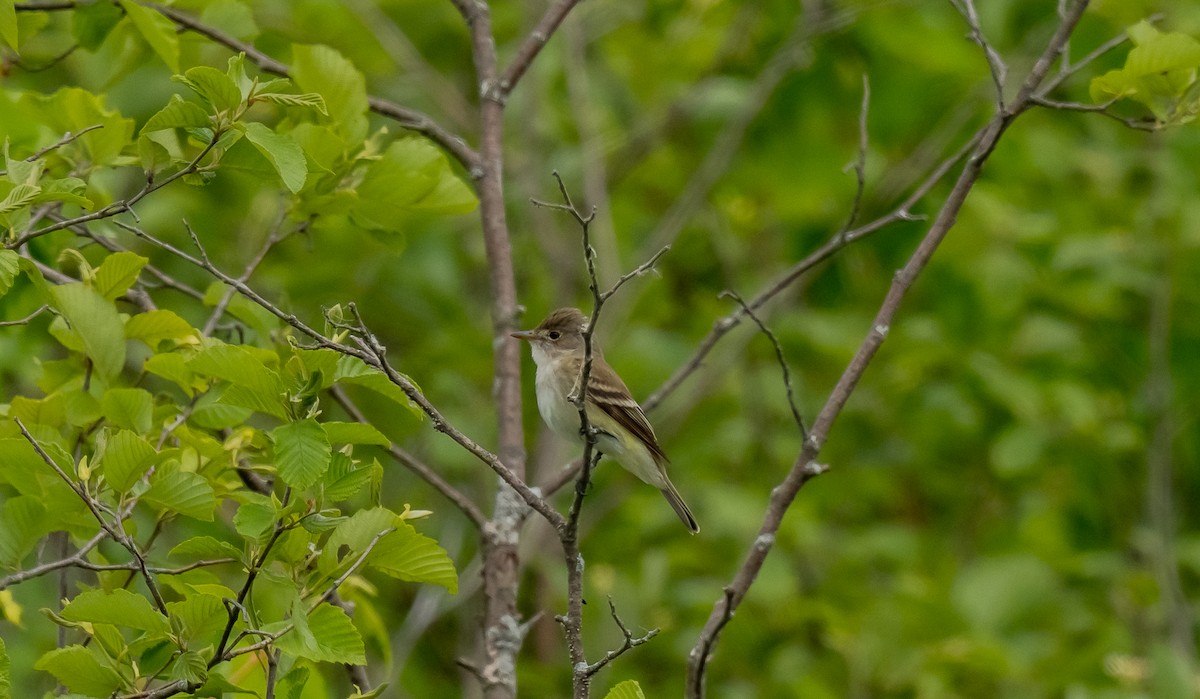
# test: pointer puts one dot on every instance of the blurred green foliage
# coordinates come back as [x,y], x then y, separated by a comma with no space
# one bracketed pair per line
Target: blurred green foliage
[992,522]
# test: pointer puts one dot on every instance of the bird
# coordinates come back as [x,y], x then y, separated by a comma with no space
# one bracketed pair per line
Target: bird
[622,430]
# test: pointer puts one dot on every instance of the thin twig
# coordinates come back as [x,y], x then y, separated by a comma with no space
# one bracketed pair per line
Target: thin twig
[996,66]
[123,205]
[67,137]
[783,366]
[115,531]
[629,643]
[860,161]
[26,319]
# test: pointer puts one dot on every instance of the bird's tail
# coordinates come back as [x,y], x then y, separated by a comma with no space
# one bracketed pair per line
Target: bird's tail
[680,507]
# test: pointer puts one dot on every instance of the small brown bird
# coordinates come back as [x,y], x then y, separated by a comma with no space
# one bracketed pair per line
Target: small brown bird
[623,432]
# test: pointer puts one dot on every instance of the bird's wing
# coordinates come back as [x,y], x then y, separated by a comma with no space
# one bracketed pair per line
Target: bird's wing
[609,393]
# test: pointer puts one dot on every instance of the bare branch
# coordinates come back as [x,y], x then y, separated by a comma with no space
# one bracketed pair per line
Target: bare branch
[26,319]
[533,44]
[860,162]
[996,66]
[805,467]
[629,643]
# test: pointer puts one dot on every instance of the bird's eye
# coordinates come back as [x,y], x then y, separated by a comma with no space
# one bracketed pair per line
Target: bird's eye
[554,334]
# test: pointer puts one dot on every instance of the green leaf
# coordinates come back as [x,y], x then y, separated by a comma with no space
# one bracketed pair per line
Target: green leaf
[126,459]
[343,479]
[152,327]
[91,23]
[214,86]
[190,667]
[117,273]
[157,30]
[173,367]
[331,637]
[8,24]
[178,114]
[253,386]
[80,671]
[629,689]
[19,197]
[73,109]
[291,685]
[302,452]
[352,370]
[412,175]
[282,151]
[204,547]
[181,491]
[119,607]
[131,408]
[408,555]
[201,616]
[10,266]
[23,522]
[96,322]
[354,433]
[309,99]
[326,72]
[254,519]
[68,190]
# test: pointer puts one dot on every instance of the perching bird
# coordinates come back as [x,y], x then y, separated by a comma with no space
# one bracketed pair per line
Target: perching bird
[623,432]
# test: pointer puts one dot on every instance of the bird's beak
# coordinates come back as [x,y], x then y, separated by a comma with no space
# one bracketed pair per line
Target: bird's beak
[524,335]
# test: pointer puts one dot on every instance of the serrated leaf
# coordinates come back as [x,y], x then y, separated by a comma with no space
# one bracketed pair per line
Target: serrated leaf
[253,386]
[343,480]
[96,322]
[117,273]
[215,87]
[158,31]
[412,175]
[178,114]
[68,190]
[302,452]
[190,667]
[355,433]
[283,153]
[326,72]
[131,408]
[408,555]
[629,689]
[79,670]
[181,491]
[152,327]
[254,519]
[291,685]
[19,197]
[119,607]
[201,616]
[309,99]
[126,459]
[352,370]
[331,638]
